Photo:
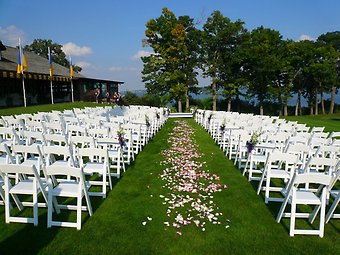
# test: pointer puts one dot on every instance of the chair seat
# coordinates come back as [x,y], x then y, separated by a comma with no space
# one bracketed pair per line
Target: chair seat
[23,187]
[31,161]
[307,197]
[113,153]
[91,167]
[279,174]
[60,163]
[258,157]
[66,189]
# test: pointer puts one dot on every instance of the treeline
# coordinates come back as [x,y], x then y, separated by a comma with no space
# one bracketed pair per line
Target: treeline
[257,64]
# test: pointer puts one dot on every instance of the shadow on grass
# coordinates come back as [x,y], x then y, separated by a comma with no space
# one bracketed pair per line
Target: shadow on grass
[29,239]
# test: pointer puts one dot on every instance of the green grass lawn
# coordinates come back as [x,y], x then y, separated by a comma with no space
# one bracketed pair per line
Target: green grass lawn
[116,226]
[331,122]
[47,108]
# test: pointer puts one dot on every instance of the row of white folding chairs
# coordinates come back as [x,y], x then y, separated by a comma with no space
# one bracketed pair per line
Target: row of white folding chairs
[325,157]
[34,174]
[135,138]
[296,187]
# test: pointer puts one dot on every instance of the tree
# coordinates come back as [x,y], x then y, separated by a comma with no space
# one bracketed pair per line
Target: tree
[171,68]
[40,47]
[262,63]
[333,39]
[220,39]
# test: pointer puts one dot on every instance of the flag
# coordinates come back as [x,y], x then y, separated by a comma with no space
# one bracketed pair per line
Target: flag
[50,62]
[71,69]
[22,63]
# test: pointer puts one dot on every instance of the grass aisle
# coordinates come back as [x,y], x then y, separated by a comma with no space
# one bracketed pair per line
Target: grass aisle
[116,226]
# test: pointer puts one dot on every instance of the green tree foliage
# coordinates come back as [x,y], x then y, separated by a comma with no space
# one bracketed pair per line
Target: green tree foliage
[262,63]
[333,39]
[221,40]
[132,99]
[171,68]
[40,47]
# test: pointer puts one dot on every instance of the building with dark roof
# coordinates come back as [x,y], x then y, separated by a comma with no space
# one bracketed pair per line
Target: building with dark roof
[37,81]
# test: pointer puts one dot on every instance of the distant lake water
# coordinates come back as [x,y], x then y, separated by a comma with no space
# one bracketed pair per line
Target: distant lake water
[201,96]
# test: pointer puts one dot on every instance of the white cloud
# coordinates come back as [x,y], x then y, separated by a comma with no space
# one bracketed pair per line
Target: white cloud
[123,69]
[115,68]
[141,53]
[75,50]
[10,35]
[84,64]
[306,37]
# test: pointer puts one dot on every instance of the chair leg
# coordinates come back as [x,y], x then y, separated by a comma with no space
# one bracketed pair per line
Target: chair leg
[88,202]
[332,208]
[322,213]
[35,206]
[79,200]
[266,196]
[109,176]
[49,207]
[7,201]
[261,182]
[282,209]
[292,218]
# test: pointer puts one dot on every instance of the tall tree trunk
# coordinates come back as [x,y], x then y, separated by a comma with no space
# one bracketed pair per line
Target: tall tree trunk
[298,104]
[316,102]
[187,103]
[322,103]
[179,104]
[331,107]
[261,109]
[214,95]
[279,99]
[229,106]
[285,108]
[311,106]
[238,103]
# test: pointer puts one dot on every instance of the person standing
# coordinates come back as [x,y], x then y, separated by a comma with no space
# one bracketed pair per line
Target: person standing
[107,96]
[96,93]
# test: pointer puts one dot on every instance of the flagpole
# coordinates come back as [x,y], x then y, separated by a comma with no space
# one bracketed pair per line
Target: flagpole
[51,77]
[51,86]
[23,87]
[72,91]
[71,76]
[22,73]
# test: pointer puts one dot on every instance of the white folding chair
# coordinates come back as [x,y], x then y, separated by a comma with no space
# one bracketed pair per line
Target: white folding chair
[73,189]
[76,130]
[34,137]
[335,194]
[321,164]
[255,158]
[296,196]
[279,165]
[57,155]
[96,160]
[82,142]
[302,150]
[33,186]
[115,154]
[6,157]
[56,139]
[29,155]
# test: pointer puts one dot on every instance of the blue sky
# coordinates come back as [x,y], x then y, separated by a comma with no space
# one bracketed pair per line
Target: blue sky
[105,36]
